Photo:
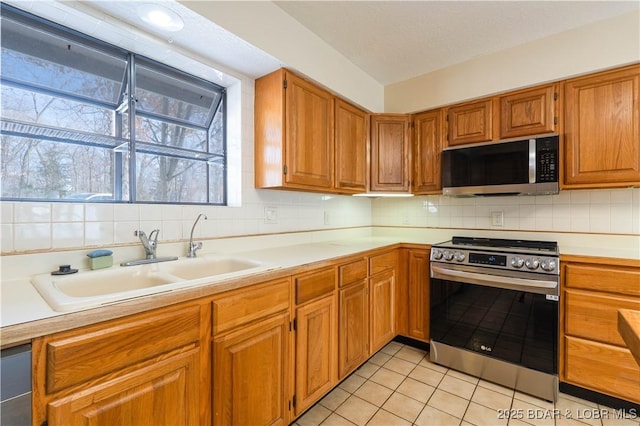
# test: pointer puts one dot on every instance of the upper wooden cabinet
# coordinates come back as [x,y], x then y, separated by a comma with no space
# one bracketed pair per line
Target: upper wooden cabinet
[427,147]
[351,136]
[390,153]
[602,138]
[471,122]
[529,112]
[293,133]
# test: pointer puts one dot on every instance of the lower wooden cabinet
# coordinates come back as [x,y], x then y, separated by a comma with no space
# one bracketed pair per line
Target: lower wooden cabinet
[316,340]
[592,353]
[382,299]
[353,332]
[418,283]
[250,374]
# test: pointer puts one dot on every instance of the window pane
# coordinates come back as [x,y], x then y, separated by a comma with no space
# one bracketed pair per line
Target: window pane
[41,169]
[217,185]
[173,180]
[162,133]
[216,132]
[168,96]
[30,55]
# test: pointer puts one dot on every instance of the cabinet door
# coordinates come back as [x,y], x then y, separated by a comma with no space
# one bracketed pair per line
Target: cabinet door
[250,374]
[166,393]
[309,134]
[390,153]
[353,334]
[419,294]
[602,138]
[382,303]
[316,358]
[350,147]
[528,112]
[427,146]
[470,123]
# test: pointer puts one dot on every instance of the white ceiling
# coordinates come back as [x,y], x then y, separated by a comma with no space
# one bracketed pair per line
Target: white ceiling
[397,40]
[389,40]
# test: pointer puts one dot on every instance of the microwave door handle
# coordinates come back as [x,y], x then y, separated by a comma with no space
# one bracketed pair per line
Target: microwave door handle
[532,161]
[490,280]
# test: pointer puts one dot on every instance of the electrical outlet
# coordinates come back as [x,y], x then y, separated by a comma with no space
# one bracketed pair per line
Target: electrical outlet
[497,218]
[270,215]
[327,220]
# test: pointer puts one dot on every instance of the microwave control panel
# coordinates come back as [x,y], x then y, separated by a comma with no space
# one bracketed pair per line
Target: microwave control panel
[547,159]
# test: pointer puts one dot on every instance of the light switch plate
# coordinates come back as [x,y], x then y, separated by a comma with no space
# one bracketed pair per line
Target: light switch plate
[270,215]
[497,218]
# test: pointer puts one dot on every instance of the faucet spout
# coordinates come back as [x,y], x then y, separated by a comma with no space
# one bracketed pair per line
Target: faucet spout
[193,247]
[149,243]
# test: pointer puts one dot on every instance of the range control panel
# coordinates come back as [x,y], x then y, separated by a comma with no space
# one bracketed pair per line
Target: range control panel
[530,262]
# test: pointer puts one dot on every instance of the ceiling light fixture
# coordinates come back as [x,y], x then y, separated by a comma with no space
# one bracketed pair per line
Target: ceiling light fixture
[160,17]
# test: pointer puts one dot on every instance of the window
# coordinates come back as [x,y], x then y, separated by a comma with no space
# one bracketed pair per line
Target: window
[86,121]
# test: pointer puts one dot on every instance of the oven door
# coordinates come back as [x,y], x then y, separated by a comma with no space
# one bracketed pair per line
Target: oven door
[512,318]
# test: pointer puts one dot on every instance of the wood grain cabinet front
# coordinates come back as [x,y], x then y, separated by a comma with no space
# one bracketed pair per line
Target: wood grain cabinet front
[351,138]
[529,112]
[471,122]
[390,153]
[418,283]
[143,369]
[602,130]
[383,271]
[428,139]
[593,354]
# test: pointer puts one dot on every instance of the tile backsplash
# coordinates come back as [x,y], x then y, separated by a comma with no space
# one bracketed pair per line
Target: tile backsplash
[615,211]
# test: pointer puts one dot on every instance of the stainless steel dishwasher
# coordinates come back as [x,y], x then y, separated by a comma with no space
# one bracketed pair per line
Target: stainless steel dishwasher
[15,386]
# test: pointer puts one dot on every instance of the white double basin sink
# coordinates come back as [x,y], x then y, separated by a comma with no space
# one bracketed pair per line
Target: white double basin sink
[87,289]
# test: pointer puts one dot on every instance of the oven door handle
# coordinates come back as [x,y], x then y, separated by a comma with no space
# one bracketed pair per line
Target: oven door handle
[491,280]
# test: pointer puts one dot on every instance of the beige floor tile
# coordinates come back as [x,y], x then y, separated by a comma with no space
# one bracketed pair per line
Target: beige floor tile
[576,399]
[480,415]
[457,386]
[385,418]
[426,375]
[403,406]
[491,399]
[432,365]
[357,410]
[399,365]
[463,376]
[433,417]
[387,378]
[538,402]
[392,348]
[449,403]
[416,390]
[316,415]
[367,369]
[516,422]
[530,413]
[379,358]
[336,420]
[572,409]
[496,388]
[410,354]
[336,397]
[352,383]
[563,421]
[620,418]
[373,393]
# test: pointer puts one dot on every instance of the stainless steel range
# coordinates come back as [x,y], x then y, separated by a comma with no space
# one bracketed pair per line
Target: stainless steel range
[494,311]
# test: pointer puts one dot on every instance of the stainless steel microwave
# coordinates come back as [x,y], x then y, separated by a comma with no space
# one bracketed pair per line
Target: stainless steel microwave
[510,167]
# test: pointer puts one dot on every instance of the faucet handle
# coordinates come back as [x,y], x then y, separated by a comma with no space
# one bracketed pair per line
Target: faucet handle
[153,236]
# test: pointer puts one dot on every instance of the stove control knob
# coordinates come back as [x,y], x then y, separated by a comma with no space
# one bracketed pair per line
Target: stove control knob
[548,265]
[436,254]
[459,256]
[517,262]
[447,255]
[532,263]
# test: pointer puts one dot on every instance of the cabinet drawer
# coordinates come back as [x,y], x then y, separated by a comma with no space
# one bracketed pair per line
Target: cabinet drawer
[383,262]
[314,284]
[603,368]
[94,351]
[353,272]
[613,279]
[246,305]
[595,316]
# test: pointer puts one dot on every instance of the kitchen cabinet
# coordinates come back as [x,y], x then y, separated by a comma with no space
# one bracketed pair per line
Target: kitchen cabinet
[382,299]
[152,365]
[351,137]
[390,153]
[472,122]
[602,130]
[593,354]
[316,336]
[427,147]
[529,112]
[251,355]
[353,309]
[293,133]
[418,283]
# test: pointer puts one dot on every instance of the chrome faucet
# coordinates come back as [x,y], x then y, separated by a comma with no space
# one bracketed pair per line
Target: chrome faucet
[193,247]
[149,243]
